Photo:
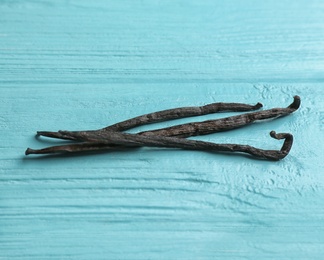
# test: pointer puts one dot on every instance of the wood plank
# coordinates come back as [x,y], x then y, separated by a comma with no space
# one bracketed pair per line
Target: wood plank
[80,65]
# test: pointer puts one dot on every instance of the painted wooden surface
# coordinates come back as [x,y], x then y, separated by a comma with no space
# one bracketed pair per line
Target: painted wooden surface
[84,65]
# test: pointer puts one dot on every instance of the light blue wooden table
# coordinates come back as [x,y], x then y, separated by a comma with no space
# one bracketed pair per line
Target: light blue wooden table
[84,65]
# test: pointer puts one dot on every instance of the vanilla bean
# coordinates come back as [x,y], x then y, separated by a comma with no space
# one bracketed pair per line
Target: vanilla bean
[165,115]
[93,146]
[181,112]
[109,137]
[223,124]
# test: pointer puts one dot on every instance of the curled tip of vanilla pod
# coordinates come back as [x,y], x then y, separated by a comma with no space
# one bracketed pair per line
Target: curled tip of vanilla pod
[296,104]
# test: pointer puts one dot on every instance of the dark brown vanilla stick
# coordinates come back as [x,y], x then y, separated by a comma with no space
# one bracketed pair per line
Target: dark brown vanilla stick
[223,124]
[73,148]
[165,115]
[109,137]
[181,113]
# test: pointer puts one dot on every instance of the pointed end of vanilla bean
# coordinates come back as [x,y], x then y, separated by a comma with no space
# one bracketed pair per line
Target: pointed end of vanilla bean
[44,133]
[258,105]
[59,135]
[296,104]
[29,151]
[48,134]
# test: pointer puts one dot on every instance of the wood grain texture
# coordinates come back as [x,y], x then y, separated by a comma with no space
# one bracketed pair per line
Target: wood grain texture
[82,65]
